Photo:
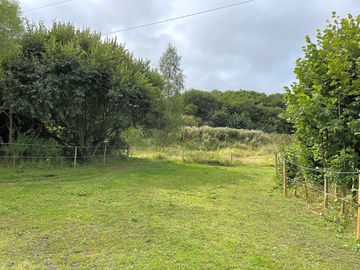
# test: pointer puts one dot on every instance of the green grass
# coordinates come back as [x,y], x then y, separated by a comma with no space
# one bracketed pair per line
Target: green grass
[223,156]
[161,215]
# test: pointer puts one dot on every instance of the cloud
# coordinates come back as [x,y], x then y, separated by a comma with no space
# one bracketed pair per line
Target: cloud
[251,46]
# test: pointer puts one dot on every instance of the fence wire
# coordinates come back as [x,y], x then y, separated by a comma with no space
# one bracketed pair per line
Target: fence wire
[322,170]
[325,193]
[62,152]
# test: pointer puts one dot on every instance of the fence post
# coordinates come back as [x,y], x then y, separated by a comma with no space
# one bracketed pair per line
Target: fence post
[284,176]
[75,156]
[231,158]
[358,206]
[335,191]
[182,154]
[275,163]
[105,154]
[343,202]
[326,191]
[128,151]
[306,191]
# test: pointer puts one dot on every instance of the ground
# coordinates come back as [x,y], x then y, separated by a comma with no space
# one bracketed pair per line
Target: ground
[140,214]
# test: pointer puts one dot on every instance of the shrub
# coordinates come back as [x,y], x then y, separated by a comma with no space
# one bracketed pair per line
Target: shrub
[29,146]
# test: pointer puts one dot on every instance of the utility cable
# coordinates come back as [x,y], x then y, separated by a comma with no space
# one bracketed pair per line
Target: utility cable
[45,6]
[177,18]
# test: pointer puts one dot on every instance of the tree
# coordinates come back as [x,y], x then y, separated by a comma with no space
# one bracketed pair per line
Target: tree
[82,89]
[237,109]
[201,105]
[324,103]
[11,28]
[170,68]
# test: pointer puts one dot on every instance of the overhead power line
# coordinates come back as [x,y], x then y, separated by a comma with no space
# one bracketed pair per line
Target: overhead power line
[178,18]
[48,5]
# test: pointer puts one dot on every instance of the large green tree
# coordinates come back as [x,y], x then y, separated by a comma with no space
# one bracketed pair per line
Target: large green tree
[81,89]
[11,27]
[324,103]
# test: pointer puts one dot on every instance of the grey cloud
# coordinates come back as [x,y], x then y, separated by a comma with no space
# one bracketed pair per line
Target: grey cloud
[253,46]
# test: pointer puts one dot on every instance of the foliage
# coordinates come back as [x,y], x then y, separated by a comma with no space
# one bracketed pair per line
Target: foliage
[170,68]
[324,103]
[31,145]
[11,27]
[209,138]
[206,139]
[236,109]
[82,89]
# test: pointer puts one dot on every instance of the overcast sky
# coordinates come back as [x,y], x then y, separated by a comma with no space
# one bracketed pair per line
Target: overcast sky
[252,46]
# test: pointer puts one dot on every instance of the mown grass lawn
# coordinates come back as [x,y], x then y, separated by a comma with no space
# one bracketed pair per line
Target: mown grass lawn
[161,215]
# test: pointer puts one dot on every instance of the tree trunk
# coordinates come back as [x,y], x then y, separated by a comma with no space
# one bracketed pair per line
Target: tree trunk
[10,126]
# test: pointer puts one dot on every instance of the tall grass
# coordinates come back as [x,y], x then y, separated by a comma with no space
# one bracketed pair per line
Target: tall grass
[205,138]
[218,146]
[209,138]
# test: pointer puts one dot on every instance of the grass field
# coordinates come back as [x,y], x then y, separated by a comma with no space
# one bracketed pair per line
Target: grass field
[141,214]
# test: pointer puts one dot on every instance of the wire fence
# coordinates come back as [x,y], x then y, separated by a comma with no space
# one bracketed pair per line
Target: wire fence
[352,199]
[322,170]
[12,154]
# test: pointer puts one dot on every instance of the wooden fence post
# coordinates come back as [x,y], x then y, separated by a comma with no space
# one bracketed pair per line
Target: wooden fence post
[335,191]
[284,176]
[275,163]
[306,191]
[358,206]
[128,151]
[343,202]
[326,191]
[182,154]
[231,158]
[105,154]
[75,156]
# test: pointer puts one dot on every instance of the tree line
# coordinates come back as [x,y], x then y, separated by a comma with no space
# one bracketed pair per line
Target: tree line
[235,109]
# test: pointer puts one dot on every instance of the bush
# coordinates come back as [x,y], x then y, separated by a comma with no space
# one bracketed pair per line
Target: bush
[29,147]
[209,138]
